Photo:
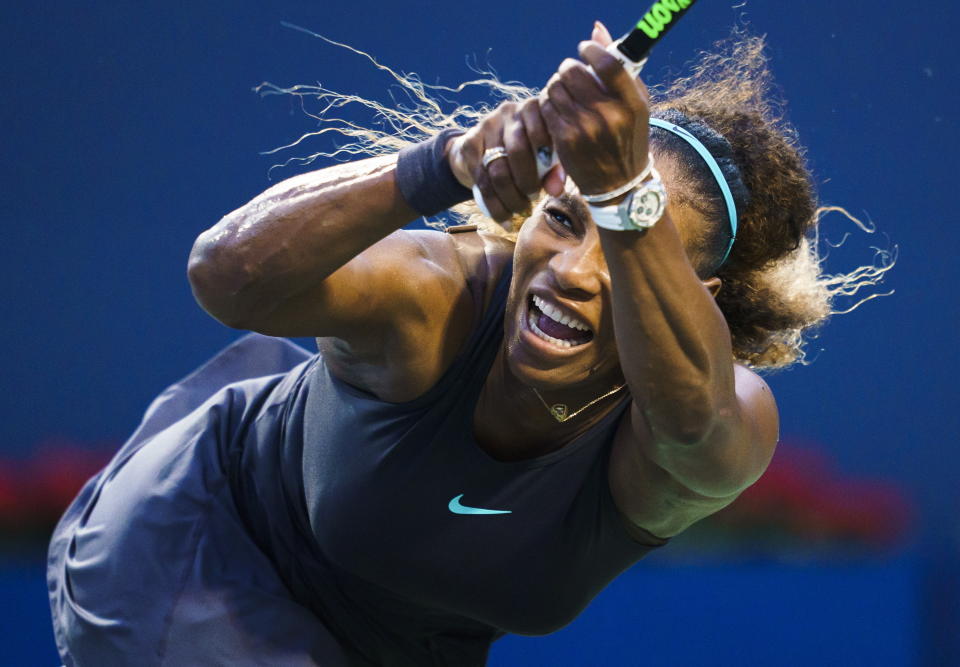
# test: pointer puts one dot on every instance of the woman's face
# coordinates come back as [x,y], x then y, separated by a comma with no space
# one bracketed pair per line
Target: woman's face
[560,273]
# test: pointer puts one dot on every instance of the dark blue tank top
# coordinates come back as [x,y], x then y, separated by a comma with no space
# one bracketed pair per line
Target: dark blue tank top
[364,506]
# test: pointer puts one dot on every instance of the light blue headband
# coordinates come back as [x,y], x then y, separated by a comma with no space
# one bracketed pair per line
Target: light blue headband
[714,167]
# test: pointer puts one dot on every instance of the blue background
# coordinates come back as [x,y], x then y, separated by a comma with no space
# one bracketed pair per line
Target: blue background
[128,128]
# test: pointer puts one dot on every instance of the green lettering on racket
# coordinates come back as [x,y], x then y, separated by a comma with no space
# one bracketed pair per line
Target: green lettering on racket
[660,15]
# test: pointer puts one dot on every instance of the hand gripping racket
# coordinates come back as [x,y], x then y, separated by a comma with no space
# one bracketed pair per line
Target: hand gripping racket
[632,50]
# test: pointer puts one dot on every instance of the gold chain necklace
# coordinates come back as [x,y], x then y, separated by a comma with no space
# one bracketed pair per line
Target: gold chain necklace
[559,410]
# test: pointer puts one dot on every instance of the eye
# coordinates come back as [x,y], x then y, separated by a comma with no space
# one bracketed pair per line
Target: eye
[558,217]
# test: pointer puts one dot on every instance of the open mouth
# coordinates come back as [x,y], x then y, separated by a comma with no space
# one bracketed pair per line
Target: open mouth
[549,323]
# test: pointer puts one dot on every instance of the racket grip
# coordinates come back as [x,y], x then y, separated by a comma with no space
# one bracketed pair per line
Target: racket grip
[546,156]
[633,67]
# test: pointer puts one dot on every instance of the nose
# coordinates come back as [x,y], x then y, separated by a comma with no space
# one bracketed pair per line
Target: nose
[579,270]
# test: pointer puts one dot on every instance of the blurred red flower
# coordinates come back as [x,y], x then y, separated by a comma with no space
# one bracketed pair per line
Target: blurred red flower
[802,496]
[35,491]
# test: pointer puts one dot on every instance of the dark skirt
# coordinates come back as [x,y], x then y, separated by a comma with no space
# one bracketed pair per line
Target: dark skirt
[151,563]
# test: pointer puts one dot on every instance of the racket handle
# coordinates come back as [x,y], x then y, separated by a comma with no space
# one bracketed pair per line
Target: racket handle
[633,67]
[546,156]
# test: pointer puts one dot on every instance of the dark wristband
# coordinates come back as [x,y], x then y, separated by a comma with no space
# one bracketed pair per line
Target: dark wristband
[424,176]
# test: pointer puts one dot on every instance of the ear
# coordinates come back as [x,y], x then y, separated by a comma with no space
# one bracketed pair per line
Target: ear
[713,284]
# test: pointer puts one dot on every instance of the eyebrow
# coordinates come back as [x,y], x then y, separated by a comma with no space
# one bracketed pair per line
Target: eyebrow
[575,204]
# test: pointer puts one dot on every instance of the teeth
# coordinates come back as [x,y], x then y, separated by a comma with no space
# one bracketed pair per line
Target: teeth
[556,315]
[532,322]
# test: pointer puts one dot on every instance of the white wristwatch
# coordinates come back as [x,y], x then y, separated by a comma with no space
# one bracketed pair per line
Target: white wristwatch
[642,208]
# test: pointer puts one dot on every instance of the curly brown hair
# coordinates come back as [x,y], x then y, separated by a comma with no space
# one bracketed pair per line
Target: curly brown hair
[775,292]
[728,96]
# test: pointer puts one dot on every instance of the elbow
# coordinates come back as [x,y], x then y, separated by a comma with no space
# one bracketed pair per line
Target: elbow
[717,462]
[217,279]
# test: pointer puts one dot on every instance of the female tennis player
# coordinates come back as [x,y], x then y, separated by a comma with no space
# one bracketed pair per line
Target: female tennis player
[495,426]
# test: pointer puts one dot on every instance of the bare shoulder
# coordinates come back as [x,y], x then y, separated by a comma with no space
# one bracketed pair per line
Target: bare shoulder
[460,255]
[650,496]
[463,261]
[428,285]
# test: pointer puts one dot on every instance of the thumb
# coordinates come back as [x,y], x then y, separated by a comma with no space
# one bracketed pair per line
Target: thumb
[457,163]
[601,34]
[554,181]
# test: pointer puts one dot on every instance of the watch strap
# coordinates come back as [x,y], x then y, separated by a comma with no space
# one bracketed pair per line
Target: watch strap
[642,208]
[608,217]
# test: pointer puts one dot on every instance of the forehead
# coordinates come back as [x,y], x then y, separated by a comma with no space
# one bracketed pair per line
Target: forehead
[687,219]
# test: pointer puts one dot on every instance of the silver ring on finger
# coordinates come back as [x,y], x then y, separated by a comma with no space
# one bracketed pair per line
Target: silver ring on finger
[492,154]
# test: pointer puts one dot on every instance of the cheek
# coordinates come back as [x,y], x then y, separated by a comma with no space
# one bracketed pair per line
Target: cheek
[530,251]
[527,231]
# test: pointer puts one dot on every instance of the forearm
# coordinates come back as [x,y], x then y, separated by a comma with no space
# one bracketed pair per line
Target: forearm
[294,235]
[672,339]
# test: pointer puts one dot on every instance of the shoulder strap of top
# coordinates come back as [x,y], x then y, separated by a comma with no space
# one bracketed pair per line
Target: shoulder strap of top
[493,307]
[475,254]
[474,361]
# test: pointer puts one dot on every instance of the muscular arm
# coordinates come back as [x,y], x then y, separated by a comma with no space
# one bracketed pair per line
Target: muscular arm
[705,429]
[712,428]
[318,254]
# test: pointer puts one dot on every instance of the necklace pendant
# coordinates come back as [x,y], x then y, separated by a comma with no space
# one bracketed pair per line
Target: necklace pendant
[559,412]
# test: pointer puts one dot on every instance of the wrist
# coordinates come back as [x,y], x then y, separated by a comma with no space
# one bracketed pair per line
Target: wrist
[425,176]
[618,194]
[637,210]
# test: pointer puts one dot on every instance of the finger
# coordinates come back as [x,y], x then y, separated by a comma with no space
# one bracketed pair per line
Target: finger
[582,85]
[458,163]
[538,135]
[560,107]
[497,209]
[491,138]
[520,156]
[601,35]
[554,181]
[497,176]
[474,145]
[533,123]
[467,155]
[611,73]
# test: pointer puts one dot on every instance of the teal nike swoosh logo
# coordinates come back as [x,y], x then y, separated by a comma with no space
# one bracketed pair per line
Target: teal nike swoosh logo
[457,508]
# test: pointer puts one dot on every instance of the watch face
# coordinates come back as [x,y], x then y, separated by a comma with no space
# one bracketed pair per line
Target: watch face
[647,204]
